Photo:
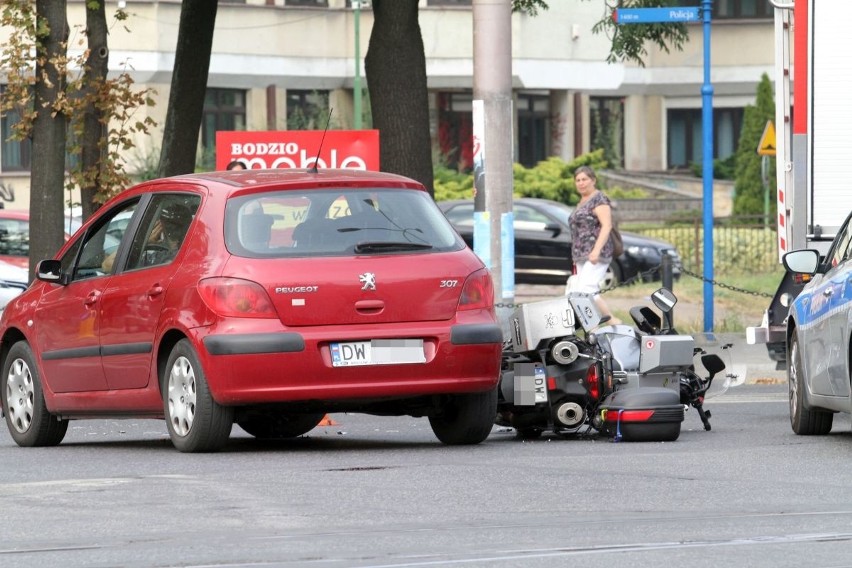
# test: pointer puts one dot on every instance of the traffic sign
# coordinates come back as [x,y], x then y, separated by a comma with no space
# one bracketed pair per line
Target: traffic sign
[655,15]
[766,147]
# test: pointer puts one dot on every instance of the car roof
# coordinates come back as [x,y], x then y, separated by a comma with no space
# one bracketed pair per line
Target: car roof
[236,181]
[14,214]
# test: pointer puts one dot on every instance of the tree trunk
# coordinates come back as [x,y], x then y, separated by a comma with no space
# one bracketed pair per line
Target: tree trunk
[395,66]
[189,85]
[94,134]
[49,131]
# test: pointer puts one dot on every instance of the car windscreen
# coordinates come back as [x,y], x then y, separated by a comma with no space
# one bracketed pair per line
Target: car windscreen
[329,222]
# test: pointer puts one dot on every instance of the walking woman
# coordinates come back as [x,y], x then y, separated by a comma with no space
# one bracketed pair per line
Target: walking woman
[591,247]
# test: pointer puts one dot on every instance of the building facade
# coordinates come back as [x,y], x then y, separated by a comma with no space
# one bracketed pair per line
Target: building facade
[281,64]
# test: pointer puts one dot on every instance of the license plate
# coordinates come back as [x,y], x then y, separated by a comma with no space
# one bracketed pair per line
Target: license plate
[377,352]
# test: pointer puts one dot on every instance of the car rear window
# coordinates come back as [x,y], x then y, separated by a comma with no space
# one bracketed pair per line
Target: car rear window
[336,222]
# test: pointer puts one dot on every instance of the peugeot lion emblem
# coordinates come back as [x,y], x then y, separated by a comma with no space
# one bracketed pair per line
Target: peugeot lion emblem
[368,279]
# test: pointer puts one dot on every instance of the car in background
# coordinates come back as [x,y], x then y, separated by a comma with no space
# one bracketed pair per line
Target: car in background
[819,327]
[262,298]
[15,237]
[543,244]
[13,281]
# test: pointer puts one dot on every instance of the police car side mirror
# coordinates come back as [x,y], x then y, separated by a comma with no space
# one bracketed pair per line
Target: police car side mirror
[802,261]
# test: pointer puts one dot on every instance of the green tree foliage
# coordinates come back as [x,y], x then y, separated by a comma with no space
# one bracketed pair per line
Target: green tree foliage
[748,185]
[529,7]
[552,178]
[98,111]
[629,42]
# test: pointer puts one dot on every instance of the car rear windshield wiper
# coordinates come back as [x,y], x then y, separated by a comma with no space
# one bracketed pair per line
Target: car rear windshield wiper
[385,246]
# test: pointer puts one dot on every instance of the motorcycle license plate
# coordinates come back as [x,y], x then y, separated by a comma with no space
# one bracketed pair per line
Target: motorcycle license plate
[377,352]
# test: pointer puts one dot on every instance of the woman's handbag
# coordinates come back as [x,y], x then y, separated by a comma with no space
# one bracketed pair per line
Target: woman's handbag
[617,243]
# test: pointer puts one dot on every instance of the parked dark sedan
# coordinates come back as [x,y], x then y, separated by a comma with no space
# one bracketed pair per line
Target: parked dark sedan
[543,244]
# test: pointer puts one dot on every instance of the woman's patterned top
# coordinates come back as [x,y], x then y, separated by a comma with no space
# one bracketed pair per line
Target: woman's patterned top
[585,228]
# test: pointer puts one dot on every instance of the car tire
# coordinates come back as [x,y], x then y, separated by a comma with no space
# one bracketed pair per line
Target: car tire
[612,278]
[804,421]
[465,419]
[266,424]
[30,423]
[196,422]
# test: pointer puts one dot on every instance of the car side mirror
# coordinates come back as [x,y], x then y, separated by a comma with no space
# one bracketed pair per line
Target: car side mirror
[51,271]
[802,261]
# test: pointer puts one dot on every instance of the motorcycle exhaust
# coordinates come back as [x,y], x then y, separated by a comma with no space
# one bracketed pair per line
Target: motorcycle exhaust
[570,414]
[565,352]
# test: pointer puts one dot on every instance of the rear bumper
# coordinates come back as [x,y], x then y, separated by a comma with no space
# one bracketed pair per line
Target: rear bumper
[275,367]
[257,343]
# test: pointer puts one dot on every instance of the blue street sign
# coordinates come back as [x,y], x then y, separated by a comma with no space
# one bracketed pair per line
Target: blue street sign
[654,15]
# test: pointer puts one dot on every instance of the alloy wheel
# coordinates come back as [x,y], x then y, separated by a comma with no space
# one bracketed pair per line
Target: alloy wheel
[182,396]
[20,394]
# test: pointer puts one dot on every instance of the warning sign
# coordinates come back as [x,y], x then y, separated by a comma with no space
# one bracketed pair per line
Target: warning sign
[767,141]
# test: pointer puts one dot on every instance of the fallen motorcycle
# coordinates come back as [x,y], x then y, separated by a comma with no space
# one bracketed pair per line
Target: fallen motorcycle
[567,371]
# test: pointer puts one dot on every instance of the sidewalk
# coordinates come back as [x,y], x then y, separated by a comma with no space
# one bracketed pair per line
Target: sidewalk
[751,360]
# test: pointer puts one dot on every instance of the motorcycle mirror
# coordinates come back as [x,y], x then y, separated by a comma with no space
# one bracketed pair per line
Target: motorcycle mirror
[664,299]
[713,363]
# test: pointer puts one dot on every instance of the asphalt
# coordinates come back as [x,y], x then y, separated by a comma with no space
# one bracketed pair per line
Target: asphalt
[750,362]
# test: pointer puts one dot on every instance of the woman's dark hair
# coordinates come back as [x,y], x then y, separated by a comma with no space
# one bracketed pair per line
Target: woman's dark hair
[586,170]
[236,164]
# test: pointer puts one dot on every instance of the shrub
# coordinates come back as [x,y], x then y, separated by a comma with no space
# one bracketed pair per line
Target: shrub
[552,178]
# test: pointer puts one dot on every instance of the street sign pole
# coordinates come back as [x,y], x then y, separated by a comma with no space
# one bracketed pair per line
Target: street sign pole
[707,169]
[691,14]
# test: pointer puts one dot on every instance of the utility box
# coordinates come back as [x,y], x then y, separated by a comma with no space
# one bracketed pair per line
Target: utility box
[665,353]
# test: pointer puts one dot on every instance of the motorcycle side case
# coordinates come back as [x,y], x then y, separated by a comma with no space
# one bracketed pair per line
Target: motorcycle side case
[665,353]
[645,414]
[535,322]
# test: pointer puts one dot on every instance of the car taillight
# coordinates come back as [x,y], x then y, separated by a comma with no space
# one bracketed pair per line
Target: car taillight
[234,297]
[593,382]
[478,291]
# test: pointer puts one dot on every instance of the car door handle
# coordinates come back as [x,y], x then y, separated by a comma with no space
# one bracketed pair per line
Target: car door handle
[828,292]
[155,290]
[92,298]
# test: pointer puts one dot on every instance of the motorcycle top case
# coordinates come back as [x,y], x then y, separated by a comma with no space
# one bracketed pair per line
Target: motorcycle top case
[536,321]
[647,414]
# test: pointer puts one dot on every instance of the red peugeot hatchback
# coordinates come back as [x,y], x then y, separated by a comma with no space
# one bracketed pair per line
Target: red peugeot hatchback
[266,298]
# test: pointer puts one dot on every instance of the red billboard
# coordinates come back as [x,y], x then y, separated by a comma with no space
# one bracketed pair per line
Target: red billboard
[354,149]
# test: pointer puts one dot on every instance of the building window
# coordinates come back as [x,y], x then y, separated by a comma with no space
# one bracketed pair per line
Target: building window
[455,130]
[607,128]
[224,109]
[736,9]
[15,154]
[449,3]
[313,3]
[533,128]
[685,146]
[307,110]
